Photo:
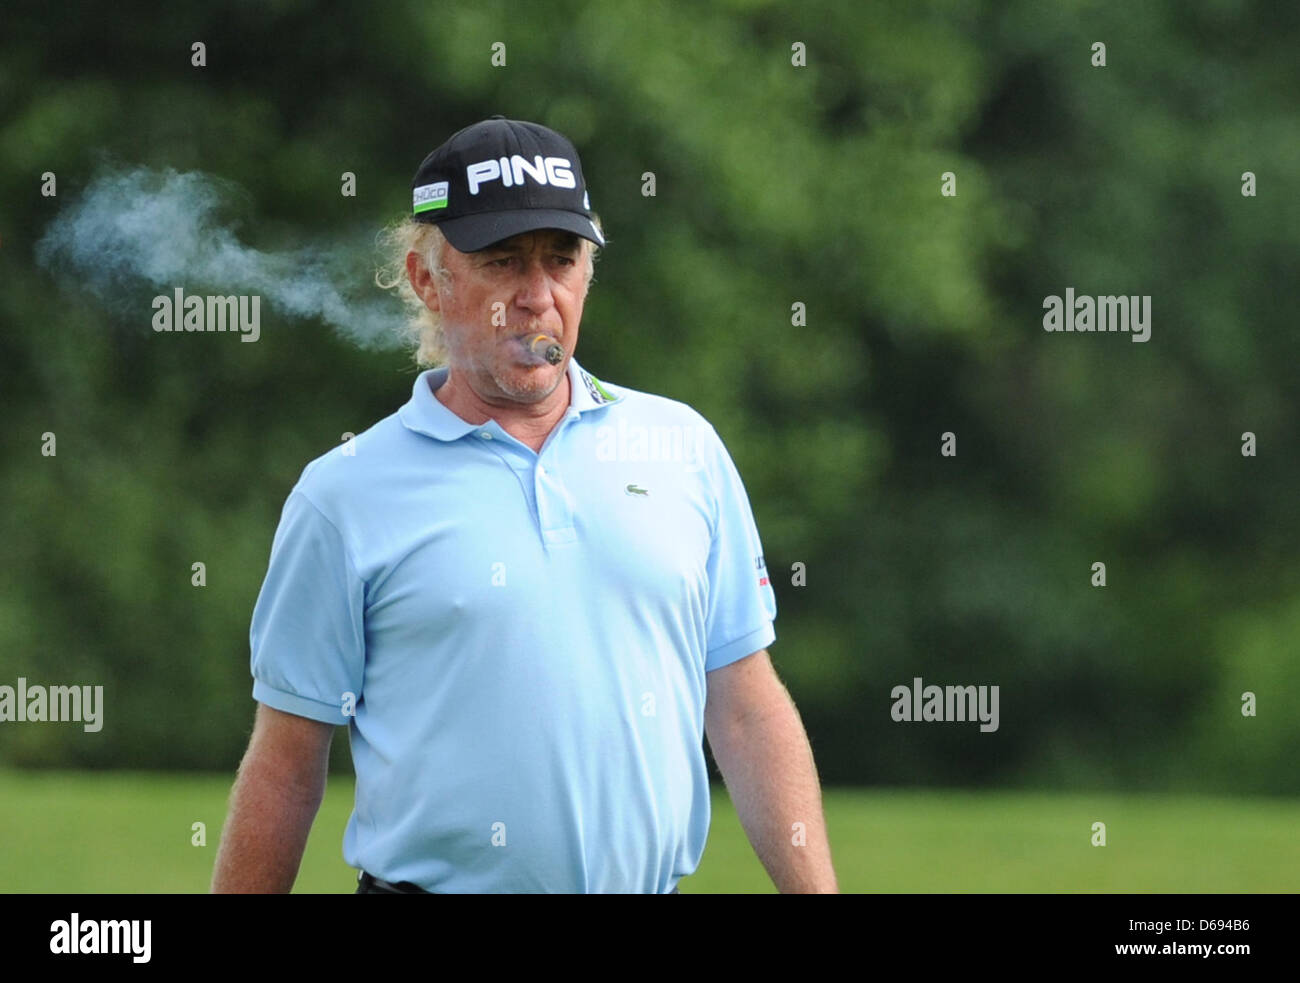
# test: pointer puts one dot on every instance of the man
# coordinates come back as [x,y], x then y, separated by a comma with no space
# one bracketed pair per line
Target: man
[527,620]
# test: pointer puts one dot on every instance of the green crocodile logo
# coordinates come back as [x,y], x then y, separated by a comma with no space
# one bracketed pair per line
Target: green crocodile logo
[636,490]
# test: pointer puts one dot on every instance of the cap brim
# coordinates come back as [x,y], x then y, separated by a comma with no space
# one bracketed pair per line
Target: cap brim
[470,233]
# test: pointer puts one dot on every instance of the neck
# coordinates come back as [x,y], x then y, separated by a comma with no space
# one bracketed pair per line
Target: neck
[529,423]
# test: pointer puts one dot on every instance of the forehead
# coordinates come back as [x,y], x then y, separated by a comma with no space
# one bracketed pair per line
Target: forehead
[546,238]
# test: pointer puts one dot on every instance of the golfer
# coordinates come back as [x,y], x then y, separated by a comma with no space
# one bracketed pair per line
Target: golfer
[529,594]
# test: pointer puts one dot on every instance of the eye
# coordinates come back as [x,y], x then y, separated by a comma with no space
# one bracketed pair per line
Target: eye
[501,263]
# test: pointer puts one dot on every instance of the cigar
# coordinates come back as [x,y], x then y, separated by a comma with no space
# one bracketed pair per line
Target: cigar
[544,346]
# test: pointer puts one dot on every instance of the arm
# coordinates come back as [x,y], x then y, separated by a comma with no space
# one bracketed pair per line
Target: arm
[763,753]
[274,802]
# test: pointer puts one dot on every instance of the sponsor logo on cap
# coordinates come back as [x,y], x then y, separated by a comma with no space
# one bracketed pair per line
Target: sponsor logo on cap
[430,196]
[555,171]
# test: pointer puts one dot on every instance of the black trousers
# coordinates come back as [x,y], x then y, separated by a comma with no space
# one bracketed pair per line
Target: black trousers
[373,885]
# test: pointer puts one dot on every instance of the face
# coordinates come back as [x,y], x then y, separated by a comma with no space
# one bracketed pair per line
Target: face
[538,279]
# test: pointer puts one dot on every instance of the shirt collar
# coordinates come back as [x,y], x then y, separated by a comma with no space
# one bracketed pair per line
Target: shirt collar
[424,412]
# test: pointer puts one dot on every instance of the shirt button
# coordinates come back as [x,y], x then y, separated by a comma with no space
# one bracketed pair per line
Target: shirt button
[485,435]
[540,469]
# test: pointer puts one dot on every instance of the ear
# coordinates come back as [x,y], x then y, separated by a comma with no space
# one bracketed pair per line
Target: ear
[422,281]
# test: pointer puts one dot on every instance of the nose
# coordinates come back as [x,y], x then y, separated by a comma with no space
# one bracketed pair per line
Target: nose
[535,289]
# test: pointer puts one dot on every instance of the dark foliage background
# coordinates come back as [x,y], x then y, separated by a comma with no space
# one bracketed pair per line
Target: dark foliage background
[775,185]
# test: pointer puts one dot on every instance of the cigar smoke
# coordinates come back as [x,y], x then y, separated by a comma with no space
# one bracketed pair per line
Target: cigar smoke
[138,231]
[544,346]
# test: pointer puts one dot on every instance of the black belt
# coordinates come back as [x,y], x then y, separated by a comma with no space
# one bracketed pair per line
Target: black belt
[369,884]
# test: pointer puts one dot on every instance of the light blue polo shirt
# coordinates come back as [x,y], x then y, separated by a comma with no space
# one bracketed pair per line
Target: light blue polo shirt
[522,638]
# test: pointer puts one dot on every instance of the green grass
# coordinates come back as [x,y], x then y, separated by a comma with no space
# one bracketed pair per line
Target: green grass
[117,832]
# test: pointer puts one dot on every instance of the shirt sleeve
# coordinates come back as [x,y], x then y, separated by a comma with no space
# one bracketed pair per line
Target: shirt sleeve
[742,604]
[307,635]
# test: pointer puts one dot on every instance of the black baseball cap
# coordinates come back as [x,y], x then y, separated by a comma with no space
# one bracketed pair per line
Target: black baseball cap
[498,178]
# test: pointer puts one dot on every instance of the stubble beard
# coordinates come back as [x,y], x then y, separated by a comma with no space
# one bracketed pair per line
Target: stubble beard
[518,378]
[526,384]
